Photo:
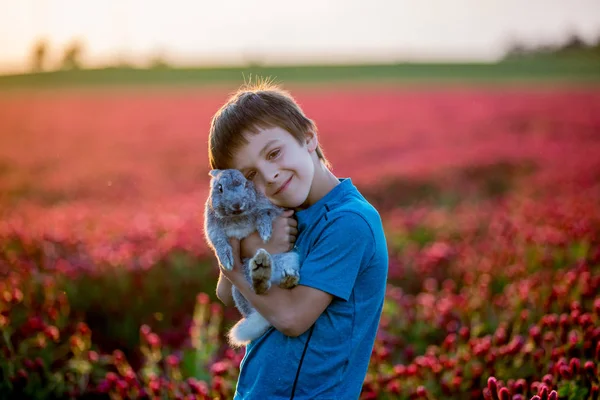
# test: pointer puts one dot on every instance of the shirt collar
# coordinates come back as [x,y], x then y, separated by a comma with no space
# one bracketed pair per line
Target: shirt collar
[310,213]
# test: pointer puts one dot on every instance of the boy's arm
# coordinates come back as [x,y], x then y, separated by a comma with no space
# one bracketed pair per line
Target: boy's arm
[290,311]
[224,290]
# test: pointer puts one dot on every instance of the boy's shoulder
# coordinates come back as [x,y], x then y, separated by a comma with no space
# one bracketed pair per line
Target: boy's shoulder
[344,210]
[353,212]
[353,202]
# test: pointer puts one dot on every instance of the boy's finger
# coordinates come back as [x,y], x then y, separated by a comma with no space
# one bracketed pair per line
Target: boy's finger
[288,213]
[235,248]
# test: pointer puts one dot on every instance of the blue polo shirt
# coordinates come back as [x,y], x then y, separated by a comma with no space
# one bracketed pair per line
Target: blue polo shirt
[343,252]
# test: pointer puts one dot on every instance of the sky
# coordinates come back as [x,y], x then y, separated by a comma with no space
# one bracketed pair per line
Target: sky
[191,32]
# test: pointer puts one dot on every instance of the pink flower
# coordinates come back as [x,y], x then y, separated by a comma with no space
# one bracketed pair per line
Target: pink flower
[153,340]
[29,364]
[203,298]
[548,380]
[543,392]
[464,333]
[130,377]
[399,370]
[172,360]
[118,356]
[565,372]
[421,391]
[585,320]
[535,333]
[17,296]
[220,367]
[590,369]
[492,385]
[563,320]
[486,394]
[111,378]
[574,366]
[393,387]
[145,330]
[216,309]
[83,329]
[198,387]
[504,394]
[92,356]
[154,386]
[35,324]
[122,386]
[520,385]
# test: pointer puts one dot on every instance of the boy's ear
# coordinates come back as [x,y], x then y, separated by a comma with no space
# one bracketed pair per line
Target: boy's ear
[311,141]
[214,172]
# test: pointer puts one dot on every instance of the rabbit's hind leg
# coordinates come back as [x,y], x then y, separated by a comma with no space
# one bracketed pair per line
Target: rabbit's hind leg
[286,268]
[290,279]
[260,271]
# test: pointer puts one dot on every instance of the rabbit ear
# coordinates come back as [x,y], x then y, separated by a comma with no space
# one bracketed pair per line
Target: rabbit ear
[214,172]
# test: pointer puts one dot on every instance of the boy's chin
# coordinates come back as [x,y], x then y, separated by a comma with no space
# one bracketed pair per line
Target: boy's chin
[288,204]
[284,205]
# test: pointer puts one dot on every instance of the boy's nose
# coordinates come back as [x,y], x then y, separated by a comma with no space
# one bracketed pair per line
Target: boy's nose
[274,177]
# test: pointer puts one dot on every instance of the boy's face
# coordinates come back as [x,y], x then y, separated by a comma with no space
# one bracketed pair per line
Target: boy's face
[278,165]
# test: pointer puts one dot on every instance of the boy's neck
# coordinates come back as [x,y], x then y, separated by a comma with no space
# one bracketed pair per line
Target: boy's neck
[323,182]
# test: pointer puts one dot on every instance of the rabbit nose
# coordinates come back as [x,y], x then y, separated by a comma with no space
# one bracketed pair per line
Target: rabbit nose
[236,206]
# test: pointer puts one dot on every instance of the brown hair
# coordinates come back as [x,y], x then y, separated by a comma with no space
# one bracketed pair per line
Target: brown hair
[255,105]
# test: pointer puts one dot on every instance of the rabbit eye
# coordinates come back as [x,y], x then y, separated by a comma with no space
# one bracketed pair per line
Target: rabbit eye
[220,188]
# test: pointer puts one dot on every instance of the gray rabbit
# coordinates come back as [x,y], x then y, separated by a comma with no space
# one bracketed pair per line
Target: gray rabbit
[235,209]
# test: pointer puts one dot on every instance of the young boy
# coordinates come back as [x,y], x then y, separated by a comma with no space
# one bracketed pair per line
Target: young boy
[325,327]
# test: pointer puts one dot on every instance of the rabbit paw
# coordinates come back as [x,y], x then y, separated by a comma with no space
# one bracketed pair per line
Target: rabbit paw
[265,233]
[260,271]
[290,279]
[226,258]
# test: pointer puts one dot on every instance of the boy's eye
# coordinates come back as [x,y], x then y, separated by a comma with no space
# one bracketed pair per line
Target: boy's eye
[251,175]
[274,154]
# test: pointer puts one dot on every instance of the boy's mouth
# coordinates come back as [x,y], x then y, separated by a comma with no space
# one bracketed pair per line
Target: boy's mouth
[283,187]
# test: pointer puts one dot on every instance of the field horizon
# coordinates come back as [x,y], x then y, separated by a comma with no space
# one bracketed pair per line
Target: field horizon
[537,71]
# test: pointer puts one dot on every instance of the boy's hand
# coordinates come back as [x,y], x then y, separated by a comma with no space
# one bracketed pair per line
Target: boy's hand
[282,239]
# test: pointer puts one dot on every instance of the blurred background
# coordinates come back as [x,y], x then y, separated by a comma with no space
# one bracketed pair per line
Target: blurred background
[472,127]
[46,35]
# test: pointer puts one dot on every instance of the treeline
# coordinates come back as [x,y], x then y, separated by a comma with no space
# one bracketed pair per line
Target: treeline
[71,54]
[71,57]
[574,45]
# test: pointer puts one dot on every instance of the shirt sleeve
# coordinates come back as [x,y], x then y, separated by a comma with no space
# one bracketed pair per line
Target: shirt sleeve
[334,261]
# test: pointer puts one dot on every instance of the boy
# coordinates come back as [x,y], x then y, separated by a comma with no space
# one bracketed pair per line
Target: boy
[325,327]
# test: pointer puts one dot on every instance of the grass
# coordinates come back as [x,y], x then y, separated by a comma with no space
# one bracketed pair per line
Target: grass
[541,70]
